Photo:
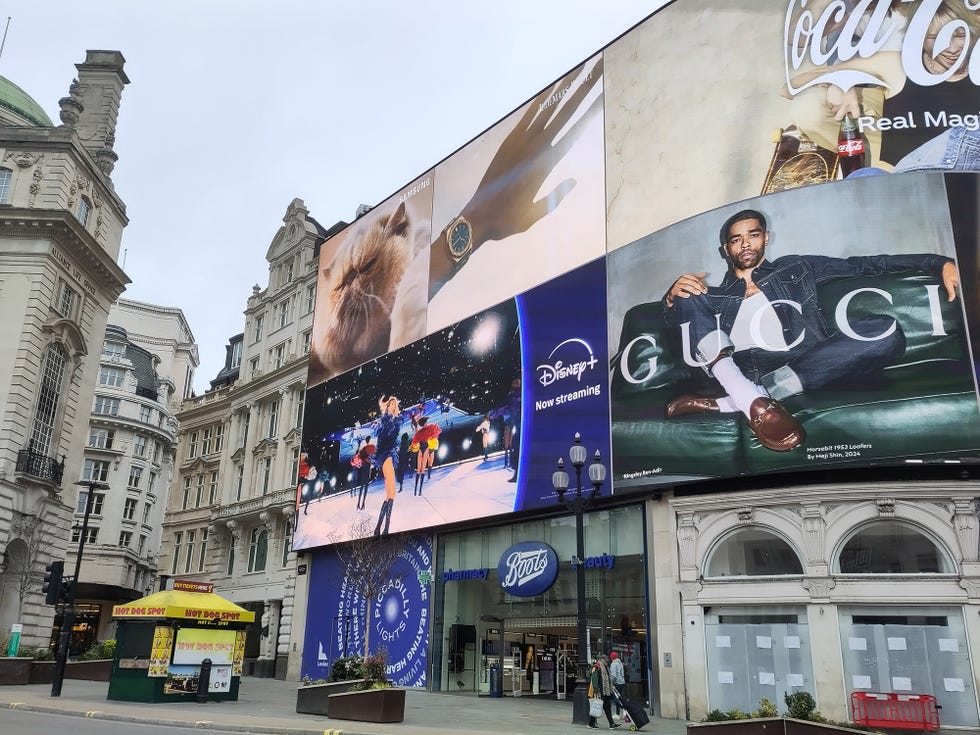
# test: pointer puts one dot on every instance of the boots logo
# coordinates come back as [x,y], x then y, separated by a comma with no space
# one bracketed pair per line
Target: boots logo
[527,569]
[836,36]
[574,357]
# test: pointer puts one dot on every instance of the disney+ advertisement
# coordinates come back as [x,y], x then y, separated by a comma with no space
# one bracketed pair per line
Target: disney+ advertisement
[466,423]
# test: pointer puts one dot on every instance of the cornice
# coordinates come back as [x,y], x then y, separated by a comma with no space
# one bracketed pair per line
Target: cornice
[62,229]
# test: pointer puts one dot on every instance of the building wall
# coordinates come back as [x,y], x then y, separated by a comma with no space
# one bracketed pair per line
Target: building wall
[256,466]
[45,247]
[815,525]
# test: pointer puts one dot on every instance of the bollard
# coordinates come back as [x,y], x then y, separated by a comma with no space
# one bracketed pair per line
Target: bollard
[204,681]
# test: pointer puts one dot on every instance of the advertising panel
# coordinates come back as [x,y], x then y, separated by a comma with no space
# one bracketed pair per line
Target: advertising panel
[371,284]
[693,123]
[522,203]
[841,302]
[465,423]
[193,645]
[398,616]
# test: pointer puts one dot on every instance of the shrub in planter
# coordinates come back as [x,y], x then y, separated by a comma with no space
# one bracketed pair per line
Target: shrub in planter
[99,650]
[346,668]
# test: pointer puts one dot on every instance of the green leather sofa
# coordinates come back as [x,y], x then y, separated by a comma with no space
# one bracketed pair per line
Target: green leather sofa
[923,407]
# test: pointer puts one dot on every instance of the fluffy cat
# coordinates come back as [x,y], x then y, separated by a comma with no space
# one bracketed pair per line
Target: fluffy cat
[361,284]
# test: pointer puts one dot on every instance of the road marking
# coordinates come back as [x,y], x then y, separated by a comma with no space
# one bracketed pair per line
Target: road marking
[93,713]
[203,724]
[15,705]
[333,732]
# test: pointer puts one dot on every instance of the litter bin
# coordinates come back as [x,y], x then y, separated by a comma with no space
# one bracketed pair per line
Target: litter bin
[496,681]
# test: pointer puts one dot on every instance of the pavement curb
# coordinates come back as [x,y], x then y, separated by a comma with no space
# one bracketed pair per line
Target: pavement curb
[191,724]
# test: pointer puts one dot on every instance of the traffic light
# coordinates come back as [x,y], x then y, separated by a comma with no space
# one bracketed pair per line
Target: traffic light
[53,573]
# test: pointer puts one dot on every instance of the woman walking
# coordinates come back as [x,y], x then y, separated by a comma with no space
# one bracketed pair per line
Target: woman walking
[601,686]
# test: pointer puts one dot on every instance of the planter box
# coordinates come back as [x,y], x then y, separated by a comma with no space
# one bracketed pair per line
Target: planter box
[312,699]
[370,705]
[767,726]
[42,672]
[15,670]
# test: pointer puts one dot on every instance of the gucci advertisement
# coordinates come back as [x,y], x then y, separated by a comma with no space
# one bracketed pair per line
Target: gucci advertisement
[466,423]
[809,328]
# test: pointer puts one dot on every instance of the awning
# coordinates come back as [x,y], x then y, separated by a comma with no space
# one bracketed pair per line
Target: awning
[184,605]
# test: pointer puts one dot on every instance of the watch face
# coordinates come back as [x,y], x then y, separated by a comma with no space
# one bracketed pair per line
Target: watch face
[459,238]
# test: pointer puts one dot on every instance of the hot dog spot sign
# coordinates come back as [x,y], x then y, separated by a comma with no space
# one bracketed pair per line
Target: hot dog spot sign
[186,601]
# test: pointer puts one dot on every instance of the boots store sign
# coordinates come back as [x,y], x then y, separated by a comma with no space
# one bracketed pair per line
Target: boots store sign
[527,569]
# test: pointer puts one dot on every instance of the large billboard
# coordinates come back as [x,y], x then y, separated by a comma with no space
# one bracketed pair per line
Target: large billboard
[851,320]
[567,223]
[466,423]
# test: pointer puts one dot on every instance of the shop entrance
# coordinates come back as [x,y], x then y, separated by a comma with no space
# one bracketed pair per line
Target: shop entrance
[482,635]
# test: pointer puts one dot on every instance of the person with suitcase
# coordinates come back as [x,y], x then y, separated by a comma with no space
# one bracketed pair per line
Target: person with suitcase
[618,675]
[601,688]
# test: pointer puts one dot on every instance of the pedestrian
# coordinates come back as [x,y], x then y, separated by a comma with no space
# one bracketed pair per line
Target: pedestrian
[618,676]
[601,687]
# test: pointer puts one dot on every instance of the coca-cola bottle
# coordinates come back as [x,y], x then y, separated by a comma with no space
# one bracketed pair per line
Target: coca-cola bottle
[850,147]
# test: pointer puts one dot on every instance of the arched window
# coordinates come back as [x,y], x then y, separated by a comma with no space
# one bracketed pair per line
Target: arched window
[5,178]
[258,549]
[752,552]
[892,547]
[49,395]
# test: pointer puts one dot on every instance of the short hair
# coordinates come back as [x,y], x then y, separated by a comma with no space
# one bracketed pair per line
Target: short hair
[741,217]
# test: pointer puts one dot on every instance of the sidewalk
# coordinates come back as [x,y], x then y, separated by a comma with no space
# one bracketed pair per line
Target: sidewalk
[268,706]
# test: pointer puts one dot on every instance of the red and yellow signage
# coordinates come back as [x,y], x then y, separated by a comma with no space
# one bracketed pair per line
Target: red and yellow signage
[203,606]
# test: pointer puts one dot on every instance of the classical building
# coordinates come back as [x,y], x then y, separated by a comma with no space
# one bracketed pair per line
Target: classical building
[146,369]
[230,512]
[61,223]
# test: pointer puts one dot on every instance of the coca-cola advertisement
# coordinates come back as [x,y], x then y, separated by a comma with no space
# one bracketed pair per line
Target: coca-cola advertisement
[814,327]
[694,122]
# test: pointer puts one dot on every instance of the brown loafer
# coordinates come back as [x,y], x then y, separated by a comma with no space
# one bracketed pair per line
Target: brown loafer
[691,404]
[774,426]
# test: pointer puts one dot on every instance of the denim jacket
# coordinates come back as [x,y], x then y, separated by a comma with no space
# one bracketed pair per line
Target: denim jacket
[794,278]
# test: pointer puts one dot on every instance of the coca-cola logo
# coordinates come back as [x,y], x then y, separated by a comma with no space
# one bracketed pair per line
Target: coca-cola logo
[527,569]
[864,31]
[850,147]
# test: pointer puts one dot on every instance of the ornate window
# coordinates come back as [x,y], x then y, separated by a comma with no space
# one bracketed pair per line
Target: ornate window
[258,548]
[5,177]
[752,552]
[84,210]
[49,395]
[892,547]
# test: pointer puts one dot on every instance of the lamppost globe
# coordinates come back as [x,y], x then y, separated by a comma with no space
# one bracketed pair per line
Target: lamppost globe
[578,503]
[577,453]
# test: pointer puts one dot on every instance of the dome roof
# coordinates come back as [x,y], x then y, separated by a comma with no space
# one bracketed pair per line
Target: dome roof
[15,100]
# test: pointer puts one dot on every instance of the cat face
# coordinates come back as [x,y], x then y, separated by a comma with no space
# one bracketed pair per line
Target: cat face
[361,285]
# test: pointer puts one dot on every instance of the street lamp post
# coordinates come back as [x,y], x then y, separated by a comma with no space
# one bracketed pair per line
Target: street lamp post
[578,504]
[68,612]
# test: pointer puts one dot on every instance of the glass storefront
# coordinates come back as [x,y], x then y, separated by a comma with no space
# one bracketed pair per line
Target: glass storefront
[478,627]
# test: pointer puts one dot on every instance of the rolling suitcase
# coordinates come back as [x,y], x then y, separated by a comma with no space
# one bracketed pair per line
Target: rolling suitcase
[634,716]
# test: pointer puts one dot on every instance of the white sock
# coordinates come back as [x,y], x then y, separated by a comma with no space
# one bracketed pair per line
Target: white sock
[725,404]
[741,390]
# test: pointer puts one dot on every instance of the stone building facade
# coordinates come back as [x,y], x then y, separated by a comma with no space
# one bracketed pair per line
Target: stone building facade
[61,223]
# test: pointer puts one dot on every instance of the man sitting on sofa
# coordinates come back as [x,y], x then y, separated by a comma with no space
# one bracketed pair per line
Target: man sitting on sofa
[762,337]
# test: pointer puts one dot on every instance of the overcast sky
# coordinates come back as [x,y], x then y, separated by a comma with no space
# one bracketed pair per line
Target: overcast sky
[235,107]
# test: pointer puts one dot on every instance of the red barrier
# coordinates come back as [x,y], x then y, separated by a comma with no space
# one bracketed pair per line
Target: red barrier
[899,711]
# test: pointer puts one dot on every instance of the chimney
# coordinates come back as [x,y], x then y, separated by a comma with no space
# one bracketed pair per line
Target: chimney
[100,84]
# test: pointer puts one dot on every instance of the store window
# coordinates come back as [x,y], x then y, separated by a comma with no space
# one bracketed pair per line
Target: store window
[752,552]
[540,636]
[892,547]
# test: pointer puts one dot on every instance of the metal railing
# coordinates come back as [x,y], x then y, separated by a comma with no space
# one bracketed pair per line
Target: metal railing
[41,466]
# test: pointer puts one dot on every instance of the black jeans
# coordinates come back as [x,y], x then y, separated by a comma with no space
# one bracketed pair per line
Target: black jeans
[606,708]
